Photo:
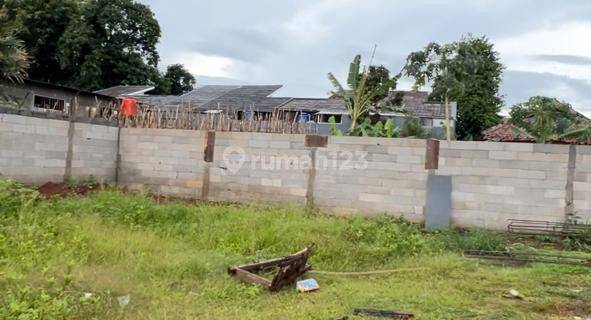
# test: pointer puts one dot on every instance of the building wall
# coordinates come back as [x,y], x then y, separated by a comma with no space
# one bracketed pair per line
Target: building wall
[162,161]
[324,128]
[23,96]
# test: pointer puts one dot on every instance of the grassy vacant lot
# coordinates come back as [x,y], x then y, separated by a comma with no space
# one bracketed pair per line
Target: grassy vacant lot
[172,258]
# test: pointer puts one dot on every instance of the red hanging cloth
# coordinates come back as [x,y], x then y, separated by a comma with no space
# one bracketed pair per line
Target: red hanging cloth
[128,107]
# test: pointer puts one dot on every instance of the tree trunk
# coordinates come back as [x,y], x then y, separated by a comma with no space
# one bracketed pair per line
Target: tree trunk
[447,120]
[353,124]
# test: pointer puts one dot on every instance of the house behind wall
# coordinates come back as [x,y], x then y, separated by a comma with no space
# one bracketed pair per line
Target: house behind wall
[37,96]
[256,101]
[430,114]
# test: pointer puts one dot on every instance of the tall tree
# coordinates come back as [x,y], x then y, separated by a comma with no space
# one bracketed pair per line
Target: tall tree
[40,24]
[112,42]
[180,79]
[467,71]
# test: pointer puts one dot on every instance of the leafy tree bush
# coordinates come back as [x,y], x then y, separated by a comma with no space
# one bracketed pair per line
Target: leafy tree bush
[546,118]
[468,72]
[412,128]
[176,81]
[93,44]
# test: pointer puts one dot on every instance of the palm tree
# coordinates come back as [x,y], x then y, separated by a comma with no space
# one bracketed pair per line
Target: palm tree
[13,57]
[358,97]
[543,124]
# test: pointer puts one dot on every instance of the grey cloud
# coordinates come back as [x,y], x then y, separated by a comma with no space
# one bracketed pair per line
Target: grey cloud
[252,33]
[564,58]
[518,86]
[243,44]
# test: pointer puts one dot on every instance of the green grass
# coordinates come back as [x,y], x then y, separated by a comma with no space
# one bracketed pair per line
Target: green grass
[172,259]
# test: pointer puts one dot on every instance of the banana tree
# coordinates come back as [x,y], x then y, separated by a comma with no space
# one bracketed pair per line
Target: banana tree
[359,95]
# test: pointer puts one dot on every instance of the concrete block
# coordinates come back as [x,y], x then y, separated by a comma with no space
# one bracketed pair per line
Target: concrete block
[271,182]
[551,148]
[518,147]
[503,155]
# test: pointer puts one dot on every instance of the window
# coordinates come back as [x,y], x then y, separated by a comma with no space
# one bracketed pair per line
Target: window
[49,103]
[426,122]
[323,118]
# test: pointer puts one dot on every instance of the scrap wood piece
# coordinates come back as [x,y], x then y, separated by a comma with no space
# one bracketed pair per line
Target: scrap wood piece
[382,313]
[290,268]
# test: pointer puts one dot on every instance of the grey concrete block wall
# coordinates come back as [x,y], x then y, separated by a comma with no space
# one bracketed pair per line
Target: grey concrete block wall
[94,152]
[582,183]
[32,150]
[493,182]
[162,161]
[372,176]
[259,167]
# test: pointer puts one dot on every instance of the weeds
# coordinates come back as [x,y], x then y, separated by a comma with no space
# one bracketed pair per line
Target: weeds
[14,197]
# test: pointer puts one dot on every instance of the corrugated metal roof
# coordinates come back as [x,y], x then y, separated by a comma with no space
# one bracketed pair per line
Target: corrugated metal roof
[118,91]
[205,94]
[225,97]
[255,97]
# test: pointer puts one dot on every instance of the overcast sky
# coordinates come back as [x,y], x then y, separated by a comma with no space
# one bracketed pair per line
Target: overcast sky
[544,45]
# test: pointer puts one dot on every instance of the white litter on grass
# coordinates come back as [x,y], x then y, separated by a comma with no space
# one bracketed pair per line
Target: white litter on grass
[514,294]
[124,300]
[87,295]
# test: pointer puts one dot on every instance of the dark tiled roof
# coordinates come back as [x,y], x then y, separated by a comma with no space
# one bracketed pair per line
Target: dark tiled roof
[407,98]
[427,110]
[118,91]
[414,102]
[316,105]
